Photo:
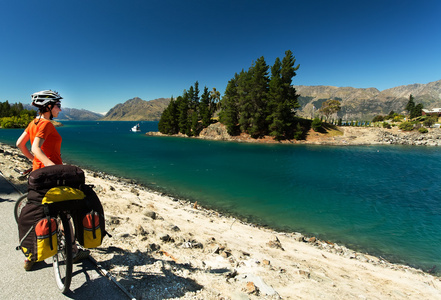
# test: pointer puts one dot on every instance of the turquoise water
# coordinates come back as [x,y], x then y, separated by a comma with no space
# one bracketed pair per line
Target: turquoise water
[383,200]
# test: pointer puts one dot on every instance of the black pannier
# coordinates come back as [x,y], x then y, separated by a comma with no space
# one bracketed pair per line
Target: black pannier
[42,180]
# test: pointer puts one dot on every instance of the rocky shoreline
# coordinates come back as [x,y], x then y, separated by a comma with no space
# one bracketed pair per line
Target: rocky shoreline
[342,136]
[163,247]
[433,138]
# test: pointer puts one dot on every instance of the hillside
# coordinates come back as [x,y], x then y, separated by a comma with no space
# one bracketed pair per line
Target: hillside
[137,109]
[365,103]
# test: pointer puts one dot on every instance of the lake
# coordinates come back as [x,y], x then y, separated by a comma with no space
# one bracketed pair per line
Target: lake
[383,200]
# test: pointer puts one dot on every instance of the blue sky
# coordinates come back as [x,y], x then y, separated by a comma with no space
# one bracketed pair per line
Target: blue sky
[101,53]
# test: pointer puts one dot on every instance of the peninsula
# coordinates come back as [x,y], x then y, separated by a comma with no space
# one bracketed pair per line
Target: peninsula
[338,135]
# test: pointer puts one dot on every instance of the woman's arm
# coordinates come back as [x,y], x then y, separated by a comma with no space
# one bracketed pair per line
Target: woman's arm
[39,154]
[21,144]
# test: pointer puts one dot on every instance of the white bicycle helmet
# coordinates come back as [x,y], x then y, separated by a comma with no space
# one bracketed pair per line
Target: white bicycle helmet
[44,98]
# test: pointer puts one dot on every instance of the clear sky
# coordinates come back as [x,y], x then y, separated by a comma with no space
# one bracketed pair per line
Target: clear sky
[98,53]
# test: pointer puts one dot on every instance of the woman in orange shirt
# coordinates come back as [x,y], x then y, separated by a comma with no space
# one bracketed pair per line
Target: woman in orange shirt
[46,145]
[45,140]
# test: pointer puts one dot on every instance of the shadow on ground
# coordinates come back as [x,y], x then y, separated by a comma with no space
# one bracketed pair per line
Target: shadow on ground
[147,277]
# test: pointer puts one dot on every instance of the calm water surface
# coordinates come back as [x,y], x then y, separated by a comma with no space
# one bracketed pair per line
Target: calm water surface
[380,199]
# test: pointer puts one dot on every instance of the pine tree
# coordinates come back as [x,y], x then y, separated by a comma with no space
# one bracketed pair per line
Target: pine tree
[214,100]
[188,128]
[410,106]
[163,121]
[195,124]
[168,121]
[245,106]
[275,102]
[183,113]
[417,111]
[290,103]
[288,72]
[204,108]
[260,105]
[258,97]
[173,121]
[253,92]
[191,99]
[229,114]
[196,93]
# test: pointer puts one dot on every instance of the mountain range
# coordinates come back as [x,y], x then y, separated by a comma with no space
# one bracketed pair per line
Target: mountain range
[366,103]
[356,103]
[137,109]
[72,114]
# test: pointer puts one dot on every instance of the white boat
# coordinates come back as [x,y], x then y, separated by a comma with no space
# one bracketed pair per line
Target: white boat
[135,128]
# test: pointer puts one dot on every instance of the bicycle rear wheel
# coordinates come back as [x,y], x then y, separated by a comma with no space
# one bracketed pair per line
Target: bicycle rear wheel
[19,204]
[62,261]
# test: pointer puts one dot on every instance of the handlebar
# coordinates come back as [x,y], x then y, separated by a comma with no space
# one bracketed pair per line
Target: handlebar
[23,174]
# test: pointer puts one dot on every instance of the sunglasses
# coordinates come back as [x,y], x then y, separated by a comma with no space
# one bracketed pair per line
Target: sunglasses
[58,104]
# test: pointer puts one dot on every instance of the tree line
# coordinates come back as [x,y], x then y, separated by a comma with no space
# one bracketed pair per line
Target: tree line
[254,102]
[190,113]
[15,116]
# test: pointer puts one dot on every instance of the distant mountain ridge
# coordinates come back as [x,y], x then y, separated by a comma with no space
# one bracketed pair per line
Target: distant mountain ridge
[73,114]
[137,109]
[356,103]
[365,103]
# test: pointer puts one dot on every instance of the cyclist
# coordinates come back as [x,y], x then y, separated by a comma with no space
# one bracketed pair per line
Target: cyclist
[45,140]
[45,144]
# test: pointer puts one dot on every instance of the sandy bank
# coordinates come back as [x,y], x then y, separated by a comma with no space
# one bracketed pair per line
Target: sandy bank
[164,247]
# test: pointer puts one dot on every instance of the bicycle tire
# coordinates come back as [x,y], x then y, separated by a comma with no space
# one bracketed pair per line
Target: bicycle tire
[62,261]
[19,204]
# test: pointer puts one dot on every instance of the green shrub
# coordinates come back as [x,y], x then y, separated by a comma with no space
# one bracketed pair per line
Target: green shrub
[386,125]
[398,118]
[428,122]
[423,130]
[406,126]
[378,118]
[317,124]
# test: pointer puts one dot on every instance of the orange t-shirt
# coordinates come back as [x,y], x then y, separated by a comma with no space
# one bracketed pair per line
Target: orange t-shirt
[44,129]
